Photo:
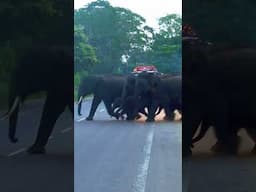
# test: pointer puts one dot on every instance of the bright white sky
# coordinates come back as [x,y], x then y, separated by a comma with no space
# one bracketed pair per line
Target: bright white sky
[151,10]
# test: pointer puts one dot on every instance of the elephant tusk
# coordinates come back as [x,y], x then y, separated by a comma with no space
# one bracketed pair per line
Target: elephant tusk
[14,106]
[80,100]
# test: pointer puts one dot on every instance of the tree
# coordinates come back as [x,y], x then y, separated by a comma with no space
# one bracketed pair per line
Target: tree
[114,32]
[166,49]
[84,54]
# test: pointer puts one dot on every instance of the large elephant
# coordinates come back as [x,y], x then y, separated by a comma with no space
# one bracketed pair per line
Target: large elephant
[152,91]
[105,88]
[132,103]
[220,81]
[42,69]
[166,93]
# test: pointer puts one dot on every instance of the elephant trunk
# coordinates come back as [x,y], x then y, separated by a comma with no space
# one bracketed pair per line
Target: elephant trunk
[80,105]
[12,114]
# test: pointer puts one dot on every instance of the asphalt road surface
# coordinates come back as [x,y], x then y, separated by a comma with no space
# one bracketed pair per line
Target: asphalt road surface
[206,172]
[119,156]
[53,171]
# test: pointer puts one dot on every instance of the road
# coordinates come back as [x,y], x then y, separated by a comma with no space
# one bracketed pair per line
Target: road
[120,156]
[40,173]
[208,172]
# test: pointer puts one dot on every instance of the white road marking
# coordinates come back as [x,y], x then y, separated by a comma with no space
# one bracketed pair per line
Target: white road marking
[141,179]
[66,130]
[16,152]
[102,110]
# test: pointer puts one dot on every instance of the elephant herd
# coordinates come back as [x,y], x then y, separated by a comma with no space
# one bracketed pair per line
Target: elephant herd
[219,92]
[216,90]
[126,96]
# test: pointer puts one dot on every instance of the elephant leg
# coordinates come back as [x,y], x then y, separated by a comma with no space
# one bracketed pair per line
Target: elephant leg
[252,133]
[189,128]
[227,140]
[53,107]
[169,114]
[151,112]
[109,108]
[95,103]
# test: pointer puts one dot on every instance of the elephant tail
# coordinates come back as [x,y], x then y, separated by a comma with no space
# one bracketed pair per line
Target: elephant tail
[201,134]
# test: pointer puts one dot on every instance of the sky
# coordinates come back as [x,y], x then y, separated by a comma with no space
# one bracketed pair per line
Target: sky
[151,10]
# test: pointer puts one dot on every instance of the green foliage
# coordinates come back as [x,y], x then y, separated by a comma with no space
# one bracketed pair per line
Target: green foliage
[114,32]
[84,54]
[165,49]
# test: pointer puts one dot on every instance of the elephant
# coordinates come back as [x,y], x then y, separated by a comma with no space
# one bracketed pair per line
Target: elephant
[105,88]
[167,94]
[155,92]
[47,69]
[219,81]
[142,94]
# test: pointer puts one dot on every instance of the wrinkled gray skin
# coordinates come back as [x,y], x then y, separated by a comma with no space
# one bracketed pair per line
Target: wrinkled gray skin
[105,88]
[220,83]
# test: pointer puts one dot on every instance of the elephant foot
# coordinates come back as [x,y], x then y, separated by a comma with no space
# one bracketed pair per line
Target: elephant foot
[167,118]
[36,150]
[129,119]
[220,148]
[117,116]
[138,117]
[89,118]
[150,120]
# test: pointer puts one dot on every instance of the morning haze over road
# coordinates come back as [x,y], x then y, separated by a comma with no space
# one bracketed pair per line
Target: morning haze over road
[129,156]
